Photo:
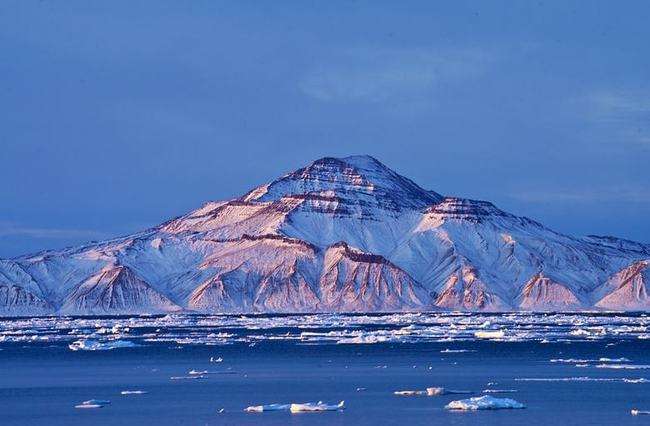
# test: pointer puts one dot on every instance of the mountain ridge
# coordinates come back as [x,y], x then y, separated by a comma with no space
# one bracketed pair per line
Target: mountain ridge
[340,234]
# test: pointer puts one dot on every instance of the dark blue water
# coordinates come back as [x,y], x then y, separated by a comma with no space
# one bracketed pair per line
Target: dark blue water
[41,379]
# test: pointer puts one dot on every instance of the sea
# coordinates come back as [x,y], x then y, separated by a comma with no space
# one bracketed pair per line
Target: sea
[563,368]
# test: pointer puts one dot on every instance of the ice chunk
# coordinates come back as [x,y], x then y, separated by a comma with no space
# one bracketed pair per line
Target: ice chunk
[133,392]
[307,407]
[362,340]
[484,403]
[500,390]
[493,334]
[437,391]
[96,402]
[639,380]
[95,345]
[197,373]
[93,403]
[410,392]
[186,377]
[213,359]
[268,407]
[456,351]
[624,366]
[639,412]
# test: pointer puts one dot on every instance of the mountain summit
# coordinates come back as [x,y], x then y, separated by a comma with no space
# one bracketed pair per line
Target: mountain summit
[338,235]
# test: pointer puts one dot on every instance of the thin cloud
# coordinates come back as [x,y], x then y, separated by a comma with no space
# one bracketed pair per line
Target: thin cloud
[381,75]
[11,229]
[623,114]
[598,195]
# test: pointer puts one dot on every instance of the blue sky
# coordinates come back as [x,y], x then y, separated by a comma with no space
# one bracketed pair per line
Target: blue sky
[115,116]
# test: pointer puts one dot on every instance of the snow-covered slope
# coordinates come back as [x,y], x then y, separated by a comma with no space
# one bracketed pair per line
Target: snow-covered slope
[344,234]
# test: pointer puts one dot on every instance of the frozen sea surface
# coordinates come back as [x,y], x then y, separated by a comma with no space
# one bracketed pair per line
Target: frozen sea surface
[567,369]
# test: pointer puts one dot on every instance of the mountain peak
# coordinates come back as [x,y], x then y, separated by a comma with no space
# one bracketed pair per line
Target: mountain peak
[357,179]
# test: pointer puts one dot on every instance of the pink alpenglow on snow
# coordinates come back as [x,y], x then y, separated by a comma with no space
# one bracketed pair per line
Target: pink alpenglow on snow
[339,235]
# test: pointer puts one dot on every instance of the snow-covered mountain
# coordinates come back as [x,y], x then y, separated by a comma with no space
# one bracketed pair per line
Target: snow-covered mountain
[338,235]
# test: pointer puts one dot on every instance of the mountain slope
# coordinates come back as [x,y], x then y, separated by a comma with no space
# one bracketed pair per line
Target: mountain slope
[341,234]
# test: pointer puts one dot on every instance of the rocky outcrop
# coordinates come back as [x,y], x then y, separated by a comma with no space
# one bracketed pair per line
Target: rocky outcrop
[541,293]
[354,281]
[627,289]
[465,291]
[115,290]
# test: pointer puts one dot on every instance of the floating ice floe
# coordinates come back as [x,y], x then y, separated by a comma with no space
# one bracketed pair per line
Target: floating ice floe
[93,403]
[493,334]
[88,406]
[410,392]
[437,391]
[268,407]
[133,392]
[639,412]
[95,345]
[97,401]
[197,372]
[484,403]
[456,351]
[500,390]
[432,391]
[213,359]
[362,340]
[308,407]
[624,366]
[581,379]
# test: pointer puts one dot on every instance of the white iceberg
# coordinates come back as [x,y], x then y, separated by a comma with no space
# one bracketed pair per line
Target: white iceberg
[624,366]
[410,392]
[639,413]
[362,340]
[96,402]
[268,407]
[93,403]
[500,390]
[133,392]
[437,391]
[96,345]
[88,406]
[308,407]
[484,403]
[494,334]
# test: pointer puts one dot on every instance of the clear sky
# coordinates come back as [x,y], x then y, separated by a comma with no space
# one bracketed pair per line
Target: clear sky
[115,116]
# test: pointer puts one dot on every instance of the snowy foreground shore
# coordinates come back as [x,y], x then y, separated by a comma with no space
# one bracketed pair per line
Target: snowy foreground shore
[326,369]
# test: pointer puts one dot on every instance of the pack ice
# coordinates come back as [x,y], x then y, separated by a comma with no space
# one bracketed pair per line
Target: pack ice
[484,403]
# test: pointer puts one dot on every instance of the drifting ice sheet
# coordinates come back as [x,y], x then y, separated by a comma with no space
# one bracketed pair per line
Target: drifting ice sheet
[484,403]
[308,407]
[95,345]
[268,407]
[496,334]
